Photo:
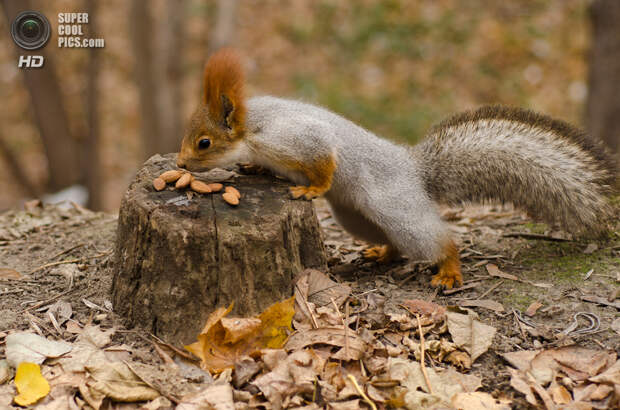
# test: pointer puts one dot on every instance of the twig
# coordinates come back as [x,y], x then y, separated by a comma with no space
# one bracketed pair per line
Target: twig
[67,250]
[536,236]
[455,290]
[47,265]
[346,328]
[304,299]
[422,366]
[48,301]
[491,289]
[361,392]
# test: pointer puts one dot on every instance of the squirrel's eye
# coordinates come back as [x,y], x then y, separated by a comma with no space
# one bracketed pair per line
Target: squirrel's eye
[204,143]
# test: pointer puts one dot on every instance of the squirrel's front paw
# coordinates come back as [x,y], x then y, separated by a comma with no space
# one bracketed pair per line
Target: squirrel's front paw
[307,192]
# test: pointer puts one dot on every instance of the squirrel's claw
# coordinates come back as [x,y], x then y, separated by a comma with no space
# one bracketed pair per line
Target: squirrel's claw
[308,192]
[447,277]
[381,254]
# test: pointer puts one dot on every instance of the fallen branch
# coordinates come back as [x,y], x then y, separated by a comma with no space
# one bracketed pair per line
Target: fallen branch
[535,236]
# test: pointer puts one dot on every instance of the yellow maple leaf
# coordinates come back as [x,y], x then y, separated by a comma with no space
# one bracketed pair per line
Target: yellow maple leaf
[224,340]
[31,385]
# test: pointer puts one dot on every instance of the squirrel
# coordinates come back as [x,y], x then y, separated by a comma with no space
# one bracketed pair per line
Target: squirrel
[388,194]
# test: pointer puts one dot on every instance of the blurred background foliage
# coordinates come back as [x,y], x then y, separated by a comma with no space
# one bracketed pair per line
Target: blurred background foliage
[393,66]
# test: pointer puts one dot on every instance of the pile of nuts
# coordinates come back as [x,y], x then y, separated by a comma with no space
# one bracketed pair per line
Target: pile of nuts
[183,179]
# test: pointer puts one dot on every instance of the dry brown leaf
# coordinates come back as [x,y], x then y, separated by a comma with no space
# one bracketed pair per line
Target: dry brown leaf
[559,394]
[223,342]
[328,336]
[532,308]
[445,384]
[494,271]
[217,396]
[469,333]
[7,273]
[477,401]
[432,310]
[116,381]
[345,405]
[615,325]
[611,375]
[521,358]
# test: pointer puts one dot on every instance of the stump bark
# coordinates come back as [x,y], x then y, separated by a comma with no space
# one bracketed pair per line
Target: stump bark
[178,259]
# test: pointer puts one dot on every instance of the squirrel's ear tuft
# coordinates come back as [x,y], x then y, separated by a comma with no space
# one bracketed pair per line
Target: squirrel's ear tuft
[223,92]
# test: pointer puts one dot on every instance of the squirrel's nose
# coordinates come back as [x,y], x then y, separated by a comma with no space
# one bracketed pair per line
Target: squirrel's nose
[180,163]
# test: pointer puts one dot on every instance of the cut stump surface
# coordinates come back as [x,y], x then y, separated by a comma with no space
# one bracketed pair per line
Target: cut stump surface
[178,257]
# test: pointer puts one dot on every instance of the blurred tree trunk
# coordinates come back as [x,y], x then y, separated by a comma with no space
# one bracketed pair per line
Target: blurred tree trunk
[157,49]
[223,33]
[141,31]
[91,147]
[169,76]
[60,147]
[603,107]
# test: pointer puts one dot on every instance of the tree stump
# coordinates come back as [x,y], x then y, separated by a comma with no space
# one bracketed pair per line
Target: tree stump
[177,259]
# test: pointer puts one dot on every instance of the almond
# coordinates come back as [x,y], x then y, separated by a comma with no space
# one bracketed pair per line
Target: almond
[171,176]
[184,181]
[230,198]
[215,187]
[233,190]
[199,187]
[159,184]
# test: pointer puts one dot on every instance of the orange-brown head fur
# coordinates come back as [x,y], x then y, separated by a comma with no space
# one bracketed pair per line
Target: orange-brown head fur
[220,116]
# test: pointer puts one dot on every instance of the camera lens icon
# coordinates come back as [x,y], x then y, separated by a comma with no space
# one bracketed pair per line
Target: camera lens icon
[30,30]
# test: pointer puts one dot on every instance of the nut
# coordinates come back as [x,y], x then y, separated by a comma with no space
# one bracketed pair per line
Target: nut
[216,187]
[184,181]
[171,176]
[233,190]
[230,198]
[199,187]
[159,184]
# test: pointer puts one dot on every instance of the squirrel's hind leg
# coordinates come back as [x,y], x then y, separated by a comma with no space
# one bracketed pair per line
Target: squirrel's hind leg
[449,268]
[381,253]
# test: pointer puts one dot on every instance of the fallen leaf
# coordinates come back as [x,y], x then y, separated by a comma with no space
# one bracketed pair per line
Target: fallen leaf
[7,273]
[5,371]
[436,312]
[61,310]
[483,303]
[532,308]
[615,325]
[521,358]
[494,271]
[30,384]
[328,336]
[591,248]
[345,405]
[224,341]
[559,394]
[32,348]
[478,400]
[116,381]
[469,333]
[611,375]
[445,385]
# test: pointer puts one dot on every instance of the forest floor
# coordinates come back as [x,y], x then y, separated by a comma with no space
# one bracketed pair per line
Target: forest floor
[50,255]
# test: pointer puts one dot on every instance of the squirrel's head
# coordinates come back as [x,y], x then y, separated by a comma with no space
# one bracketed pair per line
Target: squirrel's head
[217,126]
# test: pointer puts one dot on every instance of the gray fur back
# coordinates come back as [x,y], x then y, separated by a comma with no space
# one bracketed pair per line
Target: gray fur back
[544,166]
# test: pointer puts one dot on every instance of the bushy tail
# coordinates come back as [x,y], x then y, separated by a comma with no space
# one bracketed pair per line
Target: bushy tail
[547,167]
